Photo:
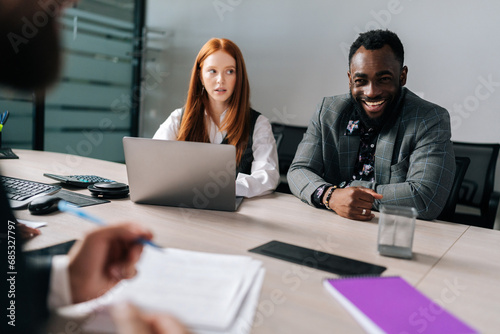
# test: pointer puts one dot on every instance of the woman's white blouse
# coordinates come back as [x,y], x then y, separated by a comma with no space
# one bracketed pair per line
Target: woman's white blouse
[264,177]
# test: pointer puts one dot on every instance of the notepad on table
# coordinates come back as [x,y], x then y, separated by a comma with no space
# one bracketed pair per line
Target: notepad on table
[209,293]
[392,305]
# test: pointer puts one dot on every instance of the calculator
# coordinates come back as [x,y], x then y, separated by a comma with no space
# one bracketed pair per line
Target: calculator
[82,181]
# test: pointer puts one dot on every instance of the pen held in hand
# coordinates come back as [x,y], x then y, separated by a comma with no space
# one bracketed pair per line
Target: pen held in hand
[67,207]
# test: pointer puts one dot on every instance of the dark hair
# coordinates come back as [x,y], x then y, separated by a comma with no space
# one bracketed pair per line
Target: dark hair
[29,60]
[376,39]
[36,65]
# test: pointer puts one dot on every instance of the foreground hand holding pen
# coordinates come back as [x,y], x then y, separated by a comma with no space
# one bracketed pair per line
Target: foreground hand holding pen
[103,258]
[67,207]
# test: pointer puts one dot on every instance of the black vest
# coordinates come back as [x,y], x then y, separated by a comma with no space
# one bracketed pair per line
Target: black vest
[245,165]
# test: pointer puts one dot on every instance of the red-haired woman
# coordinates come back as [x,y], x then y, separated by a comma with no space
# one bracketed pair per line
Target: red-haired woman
[218,111]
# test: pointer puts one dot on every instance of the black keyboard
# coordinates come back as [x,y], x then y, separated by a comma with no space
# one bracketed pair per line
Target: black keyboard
[20,192]
[82,181]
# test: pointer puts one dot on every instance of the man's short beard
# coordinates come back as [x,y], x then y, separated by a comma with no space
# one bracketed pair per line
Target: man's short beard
[375,123]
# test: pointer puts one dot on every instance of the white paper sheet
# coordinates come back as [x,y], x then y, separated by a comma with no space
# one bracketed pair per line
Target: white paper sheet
[210,293]
[32,224]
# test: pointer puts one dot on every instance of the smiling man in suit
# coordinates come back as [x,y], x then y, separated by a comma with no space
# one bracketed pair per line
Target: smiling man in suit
[379,144]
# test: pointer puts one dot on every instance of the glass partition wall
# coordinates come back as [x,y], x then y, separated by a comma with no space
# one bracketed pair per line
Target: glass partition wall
[96,102]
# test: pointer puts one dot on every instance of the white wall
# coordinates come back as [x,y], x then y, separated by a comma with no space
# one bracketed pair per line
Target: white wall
[295,53]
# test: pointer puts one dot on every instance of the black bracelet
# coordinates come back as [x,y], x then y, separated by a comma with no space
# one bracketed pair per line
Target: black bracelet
[328,196]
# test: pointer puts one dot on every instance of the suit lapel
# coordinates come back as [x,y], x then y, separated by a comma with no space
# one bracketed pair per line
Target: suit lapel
[386,142]
[384,152]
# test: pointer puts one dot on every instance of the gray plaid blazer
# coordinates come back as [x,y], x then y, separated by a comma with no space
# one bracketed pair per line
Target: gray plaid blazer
[414,159]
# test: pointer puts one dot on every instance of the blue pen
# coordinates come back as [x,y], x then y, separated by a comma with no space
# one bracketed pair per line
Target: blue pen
[4,118]
[67,207]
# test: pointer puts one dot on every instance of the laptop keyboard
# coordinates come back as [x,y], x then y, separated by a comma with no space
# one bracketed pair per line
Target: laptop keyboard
[20,192]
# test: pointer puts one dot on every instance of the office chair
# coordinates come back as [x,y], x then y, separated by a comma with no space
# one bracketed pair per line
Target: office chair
[290,138]
[278,137]
[476,193]
[448,213]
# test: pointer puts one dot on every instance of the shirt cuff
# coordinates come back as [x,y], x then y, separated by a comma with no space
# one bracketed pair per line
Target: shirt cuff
[59,289]
[317,195]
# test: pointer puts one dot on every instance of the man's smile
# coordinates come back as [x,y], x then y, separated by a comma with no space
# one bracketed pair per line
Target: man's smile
[374,108]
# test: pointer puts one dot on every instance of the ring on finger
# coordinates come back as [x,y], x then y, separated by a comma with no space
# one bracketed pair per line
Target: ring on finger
[364,212]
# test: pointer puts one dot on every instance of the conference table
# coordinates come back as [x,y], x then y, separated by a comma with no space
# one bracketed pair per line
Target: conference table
[457,266]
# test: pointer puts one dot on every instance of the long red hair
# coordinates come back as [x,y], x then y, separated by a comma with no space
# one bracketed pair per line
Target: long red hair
[237,120]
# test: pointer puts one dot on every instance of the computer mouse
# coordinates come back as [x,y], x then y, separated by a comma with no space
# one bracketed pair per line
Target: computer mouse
[43,205]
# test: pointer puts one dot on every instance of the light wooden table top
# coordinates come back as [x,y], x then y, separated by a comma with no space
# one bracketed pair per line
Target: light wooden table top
[455,265]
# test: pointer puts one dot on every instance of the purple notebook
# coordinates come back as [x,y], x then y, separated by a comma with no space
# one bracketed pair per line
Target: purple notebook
[391,305]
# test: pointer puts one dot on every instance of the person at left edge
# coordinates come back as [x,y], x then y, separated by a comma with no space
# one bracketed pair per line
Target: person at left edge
[31,285]
[218,111]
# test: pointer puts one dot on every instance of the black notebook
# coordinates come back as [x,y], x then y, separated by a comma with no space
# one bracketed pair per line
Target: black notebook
[316,259]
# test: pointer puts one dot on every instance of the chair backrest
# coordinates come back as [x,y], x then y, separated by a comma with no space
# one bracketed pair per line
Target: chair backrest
[291,136]
[479,179]
[448,213]
[278,137]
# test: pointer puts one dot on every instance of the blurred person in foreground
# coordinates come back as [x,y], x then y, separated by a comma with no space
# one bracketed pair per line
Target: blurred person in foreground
[32,286]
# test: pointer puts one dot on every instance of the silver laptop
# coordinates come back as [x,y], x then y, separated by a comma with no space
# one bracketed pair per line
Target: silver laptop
[180,173]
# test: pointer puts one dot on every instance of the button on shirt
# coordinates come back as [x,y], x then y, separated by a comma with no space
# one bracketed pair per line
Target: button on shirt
[264,177]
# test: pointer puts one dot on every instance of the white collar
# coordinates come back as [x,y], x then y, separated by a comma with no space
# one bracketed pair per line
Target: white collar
[222,116]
